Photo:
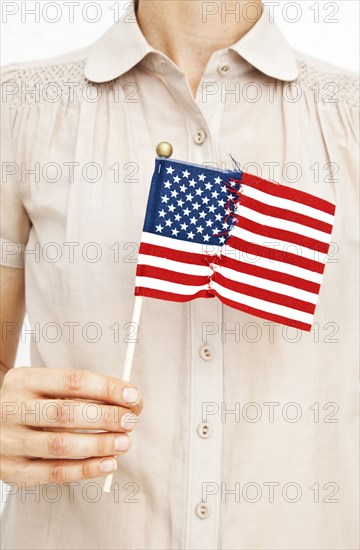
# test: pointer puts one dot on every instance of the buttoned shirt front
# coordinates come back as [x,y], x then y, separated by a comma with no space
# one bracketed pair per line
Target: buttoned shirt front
[248,437]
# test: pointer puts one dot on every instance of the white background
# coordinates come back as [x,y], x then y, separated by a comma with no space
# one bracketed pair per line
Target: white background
[328,30]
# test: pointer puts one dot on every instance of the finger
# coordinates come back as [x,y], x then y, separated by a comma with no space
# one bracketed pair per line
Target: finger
[67,414]
[67,445]
[31,471]
[77,383]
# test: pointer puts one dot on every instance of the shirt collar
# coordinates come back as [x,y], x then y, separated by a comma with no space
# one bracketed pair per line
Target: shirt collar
[124,45]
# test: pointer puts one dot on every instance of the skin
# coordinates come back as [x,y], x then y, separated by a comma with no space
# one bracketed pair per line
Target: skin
[55,445]
[46,447]
[190,31]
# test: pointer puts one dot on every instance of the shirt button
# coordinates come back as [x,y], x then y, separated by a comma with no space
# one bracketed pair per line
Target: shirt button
[200,137]
[224,69]
[204,430]
[202,510]
[207,353]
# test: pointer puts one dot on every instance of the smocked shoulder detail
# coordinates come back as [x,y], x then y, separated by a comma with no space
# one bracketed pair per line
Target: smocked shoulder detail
[329,86]
[48,83]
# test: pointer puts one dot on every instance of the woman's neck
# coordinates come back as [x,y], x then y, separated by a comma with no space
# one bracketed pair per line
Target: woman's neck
[189,31]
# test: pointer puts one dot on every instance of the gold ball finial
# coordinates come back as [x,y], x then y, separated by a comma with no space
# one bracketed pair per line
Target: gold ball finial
[164,149]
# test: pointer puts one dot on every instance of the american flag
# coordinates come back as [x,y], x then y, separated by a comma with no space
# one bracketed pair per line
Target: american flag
[258,246]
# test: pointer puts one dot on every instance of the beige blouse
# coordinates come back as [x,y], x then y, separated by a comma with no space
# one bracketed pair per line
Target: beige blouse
[248,438]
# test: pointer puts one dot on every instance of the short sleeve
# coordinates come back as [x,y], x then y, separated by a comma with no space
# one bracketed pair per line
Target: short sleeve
[14,222]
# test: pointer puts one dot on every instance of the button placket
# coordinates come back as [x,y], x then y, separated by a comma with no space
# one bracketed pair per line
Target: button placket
[205,432]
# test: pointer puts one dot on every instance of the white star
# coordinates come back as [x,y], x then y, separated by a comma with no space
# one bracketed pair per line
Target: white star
[217,180]
[206,238]
[174,194]
[182,188]
[202,177]
[193,220]
[162,213]
[170,170]
[180,202]
[212,208]
[168,223]
[186,174]
[215,194]
[196,206]
[165,199]
[159,228]
[218,217]
[174,232]
[190,235]
[205,200]
[192,182]
[171,208]
[202,215]
[209,223]
[189,197]
[167,184]
[199,192]
[200,229]
[184,226]
[222,239]
[176,179]
[177,217]
[221,202]
[186,212]
[208,186]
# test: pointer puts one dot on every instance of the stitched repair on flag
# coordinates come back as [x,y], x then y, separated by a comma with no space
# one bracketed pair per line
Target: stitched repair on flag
[235,189]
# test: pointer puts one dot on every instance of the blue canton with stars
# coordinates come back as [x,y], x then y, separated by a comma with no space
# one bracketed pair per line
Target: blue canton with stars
[188,202]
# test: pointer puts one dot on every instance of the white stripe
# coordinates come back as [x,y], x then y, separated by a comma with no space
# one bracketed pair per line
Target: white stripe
[177,244]
[172,265]
[276,244]
[166,286]
[279,223]
[266,284]
[274,265]
[288,204]
[263,305]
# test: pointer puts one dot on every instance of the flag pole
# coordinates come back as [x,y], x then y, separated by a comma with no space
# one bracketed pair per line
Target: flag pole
[127,368]
[163,149]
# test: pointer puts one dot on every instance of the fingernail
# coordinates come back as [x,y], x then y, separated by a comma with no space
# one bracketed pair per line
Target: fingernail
[122,443]
[131,395]
[128,421]
[108,465]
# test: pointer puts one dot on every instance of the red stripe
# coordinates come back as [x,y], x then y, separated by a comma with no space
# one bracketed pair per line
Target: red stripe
[264,315]
[284,214]
[282,234]
[286,192]
[172,254]
[264,273]
[162,295]
[263,294]
[144,270]
[273,254]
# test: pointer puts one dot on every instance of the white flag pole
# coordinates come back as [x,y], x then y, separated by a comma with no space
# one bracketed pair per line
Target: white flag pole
[127,368]
[163,149]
